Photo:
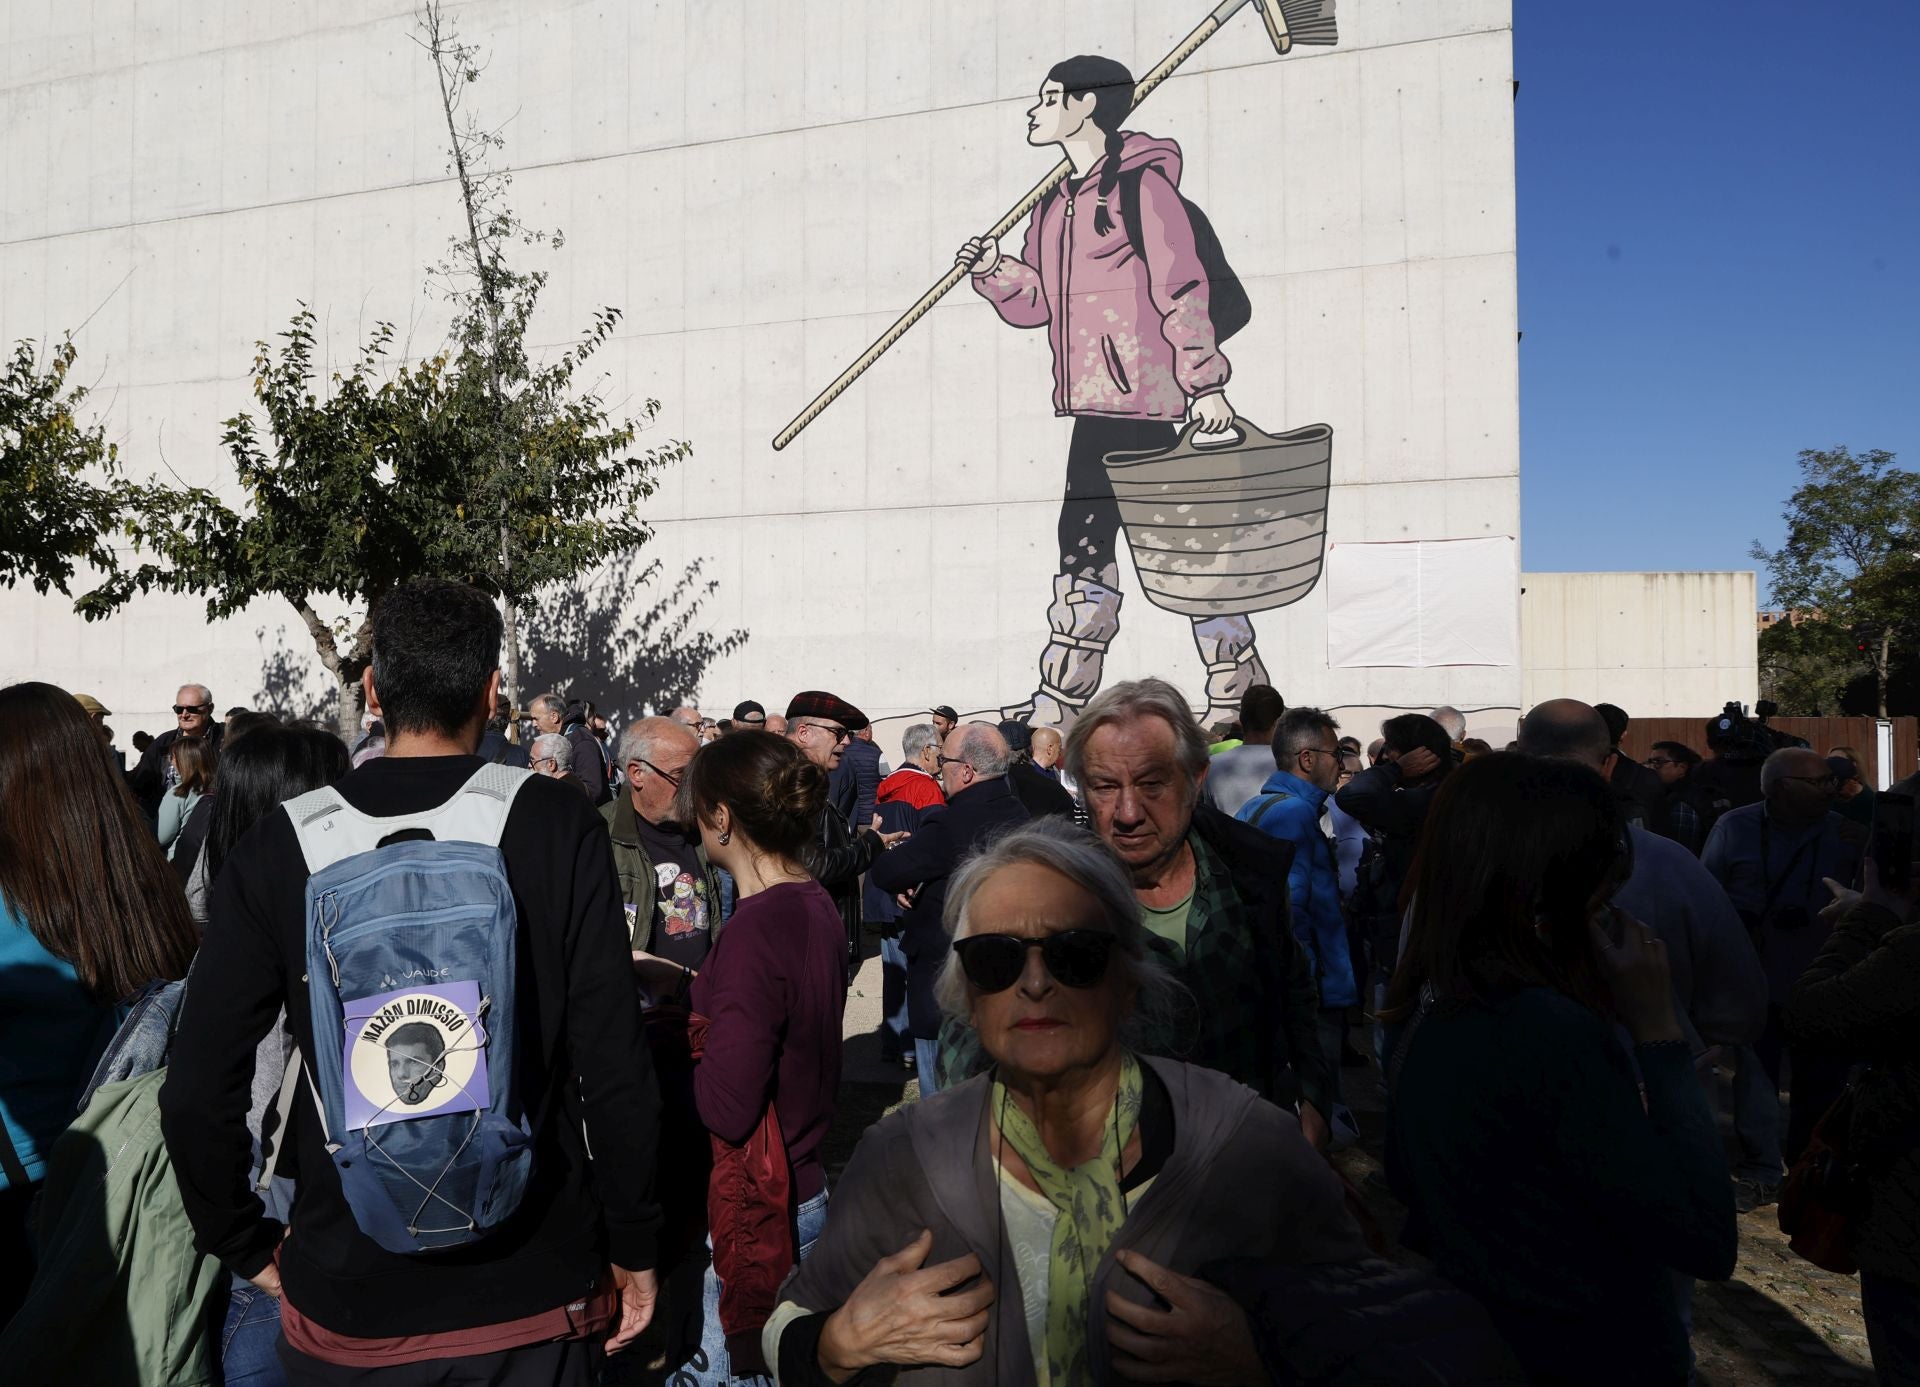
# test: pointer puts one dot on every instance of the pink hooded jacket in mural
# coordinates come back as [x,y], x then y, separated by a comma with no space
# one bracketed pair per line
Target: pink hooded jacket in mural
[1129,339]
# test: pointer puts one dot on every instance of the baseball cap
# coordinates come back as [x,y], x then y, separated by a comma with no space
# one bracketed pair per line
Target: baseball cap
[751,713]
[944,710]
[94,707]
[1019,736]
[818,703]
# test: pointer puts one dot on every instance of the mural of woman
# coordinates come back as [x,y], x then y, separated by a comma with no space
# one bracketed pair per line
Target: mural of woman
[1134,357]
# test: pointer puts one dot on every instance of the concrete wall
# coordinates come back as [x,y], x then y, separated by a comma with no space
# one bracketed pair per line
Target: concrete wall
[762,188]
[1656,644]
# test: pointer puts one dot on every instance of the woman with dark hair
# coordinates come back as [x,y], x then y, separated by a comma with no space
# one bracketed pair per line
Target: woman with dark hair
[89,915]
[767,1006]
[261,768]
[1535,1174]
[193,762]
[1110,267]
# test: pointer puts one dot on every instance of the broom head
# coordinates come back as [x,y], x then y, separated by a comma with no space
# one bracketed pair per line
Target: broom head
[1299,21]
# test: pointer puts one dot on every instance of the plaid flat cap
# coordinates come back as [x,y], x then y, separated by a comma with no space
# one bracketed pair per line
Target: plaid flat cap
[818,703]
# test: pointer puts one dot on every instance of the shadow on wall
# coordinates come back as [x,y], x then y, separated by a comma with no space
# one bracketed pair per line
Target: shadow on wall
[292,684]
[624,638]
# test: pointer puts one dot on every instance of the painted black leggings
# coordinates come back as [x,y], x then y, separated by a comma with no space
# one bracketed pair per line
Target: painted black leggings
[1089,516]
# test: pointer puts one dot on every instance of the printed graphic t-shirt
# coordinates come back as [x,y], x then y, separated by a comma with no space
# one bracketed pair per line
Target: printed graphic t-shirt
[681,910]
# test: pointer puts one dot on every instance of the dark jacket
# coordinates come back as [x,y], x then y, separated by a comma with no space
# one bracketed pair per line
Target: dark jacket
[1570,1237]
[495,747]
[589,762]
[856,781]
[1039,792]
[1393,816]
[1640,794]
[837,857]
[1861,1001]
[148,780]
[927,861]
[1259,1008]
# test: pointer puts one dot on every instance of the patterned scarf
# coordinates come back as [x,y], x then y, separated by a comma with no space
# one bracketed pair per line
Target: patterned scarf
[1091,1210]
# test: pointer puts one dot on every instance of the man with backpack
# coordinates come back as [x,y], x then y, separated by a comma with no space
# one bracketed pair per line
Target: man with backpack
[457,1228]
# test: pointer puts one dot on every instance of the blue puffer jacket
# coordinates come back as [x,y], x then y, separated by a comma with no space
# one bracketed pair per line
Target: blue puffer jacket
[1289,807]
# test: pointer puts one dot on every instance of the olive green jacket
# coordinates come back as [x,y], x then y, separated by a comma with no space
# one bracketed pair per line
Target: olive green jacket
[639,888]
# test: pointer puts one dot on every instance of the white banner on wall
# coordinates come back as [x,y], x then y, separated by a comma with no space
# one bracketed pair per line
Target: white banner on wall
[1424,602]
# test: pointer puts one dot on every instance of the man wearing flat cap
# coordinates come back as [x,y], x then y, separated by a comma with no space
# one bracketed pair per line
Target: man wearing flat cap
[821,724]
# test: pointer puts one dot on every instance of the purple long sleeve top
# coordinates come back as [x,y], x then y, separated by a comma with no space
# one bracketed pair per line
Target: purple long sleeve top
[774,990]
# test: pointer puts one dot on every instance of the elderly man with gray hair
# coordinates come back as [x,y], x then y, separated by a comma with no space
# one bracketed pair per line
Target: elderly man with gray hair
[552,756]
[1214,893]
[980,803]
[671,892]
[1775,859]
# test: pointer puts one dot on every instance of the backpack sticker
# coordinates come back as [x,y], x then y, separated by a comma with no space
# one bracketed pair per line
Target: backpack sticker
[414,1053]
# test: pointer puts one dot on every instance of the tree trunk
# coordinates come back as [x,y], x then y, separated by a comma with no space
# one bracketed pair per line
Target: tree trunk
[510,670]
[1880,669]
[352,697]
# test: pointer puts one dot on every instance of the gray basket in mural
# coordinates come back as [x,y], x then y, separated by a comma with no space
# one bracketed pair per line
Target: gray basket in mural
[1234,527]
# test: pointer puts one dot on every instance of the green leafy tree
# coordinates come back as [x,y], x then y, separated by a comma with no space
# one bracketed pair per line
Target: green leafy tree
[480,464]
[58,488]
[1851,559]
[1806,667]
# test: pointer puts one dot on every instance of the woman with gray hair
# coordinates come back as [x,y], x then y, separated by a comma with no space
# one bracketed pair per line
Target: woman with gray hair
[1046,1220]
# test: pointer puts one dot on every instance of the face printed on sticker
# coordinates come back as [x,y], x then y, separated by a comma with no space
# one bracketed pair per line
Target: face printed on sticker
[415,1056]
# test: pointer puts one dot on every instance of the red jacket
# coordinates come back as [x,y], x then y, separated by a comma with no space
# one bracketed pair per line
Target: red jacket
[910,785]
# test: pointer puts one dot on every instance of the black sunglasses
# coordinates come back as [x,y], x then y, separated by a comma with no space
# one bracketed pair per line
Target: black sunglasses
[180,708]
[1075,957]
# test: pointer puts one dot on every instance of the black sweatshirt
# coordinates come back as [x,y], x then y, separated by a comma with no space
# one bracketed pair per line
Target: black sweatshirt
[579,1027]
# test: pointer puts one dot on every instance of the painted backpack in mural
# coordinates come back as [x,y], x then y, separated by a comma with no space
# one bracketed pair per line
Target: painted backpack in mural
[1228,306]
[410,954]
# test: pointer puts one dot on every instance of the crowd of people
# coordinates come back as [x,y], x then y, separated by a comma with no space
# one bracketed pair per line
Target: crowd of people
[504,1045]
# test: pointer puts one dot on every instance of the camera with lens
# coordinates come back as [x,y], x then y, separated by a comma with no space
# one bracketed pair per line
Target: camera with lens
[1737,737]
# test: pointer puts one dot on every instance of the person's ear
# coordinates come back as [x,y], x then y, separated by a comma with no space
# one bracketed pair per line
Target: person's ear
[489,698]
[370,694]
[1610,765]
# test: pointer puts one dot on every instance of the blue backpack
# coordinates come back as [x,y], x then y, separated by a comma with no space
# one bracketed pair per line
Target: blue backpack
[410,943]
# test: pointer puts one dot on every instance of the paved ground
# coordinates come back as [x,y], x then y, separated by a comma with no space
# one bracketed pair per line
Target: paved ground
[1778,1320]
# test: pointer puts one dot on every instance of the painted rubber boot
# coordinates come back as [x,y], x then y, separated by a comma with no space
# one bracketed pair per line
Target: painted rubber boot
[1084,618]
[1233,665]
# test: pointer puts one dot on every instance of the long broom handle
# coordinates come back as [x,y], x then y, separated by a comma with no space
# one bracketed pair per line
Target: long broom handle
[1186,48]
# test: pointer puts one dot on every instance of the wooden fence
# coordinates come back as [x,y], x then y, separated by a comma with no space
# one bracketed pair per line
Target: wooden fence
[1823,733]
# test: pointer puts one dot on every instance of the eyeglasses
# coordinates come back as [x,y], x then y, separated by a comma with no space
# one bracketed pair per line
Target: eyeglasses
[180,710]
[952,760]
[1828,779]
[1074,957]
[832,729]
[1654,763]
[670,777]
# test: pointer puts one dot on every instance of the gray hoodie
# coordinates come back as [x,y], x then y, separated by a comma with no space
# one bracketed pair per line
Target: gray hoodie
[1241,1182]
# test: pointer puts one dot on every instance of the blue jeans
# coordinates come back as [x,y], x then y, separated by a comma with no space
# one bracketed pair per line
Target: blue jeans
[711,1366]
[248,1338]
[893,988]
[926,1066]
[1756,1118]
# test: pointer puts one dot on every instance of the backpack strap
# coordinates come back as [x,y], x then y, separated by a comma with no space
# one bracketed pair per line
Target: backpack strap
[330,830]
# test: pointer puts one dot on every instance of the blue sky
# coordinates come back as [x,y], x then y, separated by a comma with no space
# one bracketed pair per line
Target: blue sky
[1719,266]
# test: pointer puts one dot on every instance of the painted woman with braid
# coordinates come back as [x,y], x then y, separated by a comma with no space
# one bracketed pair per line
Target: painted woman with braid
[1123,295]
